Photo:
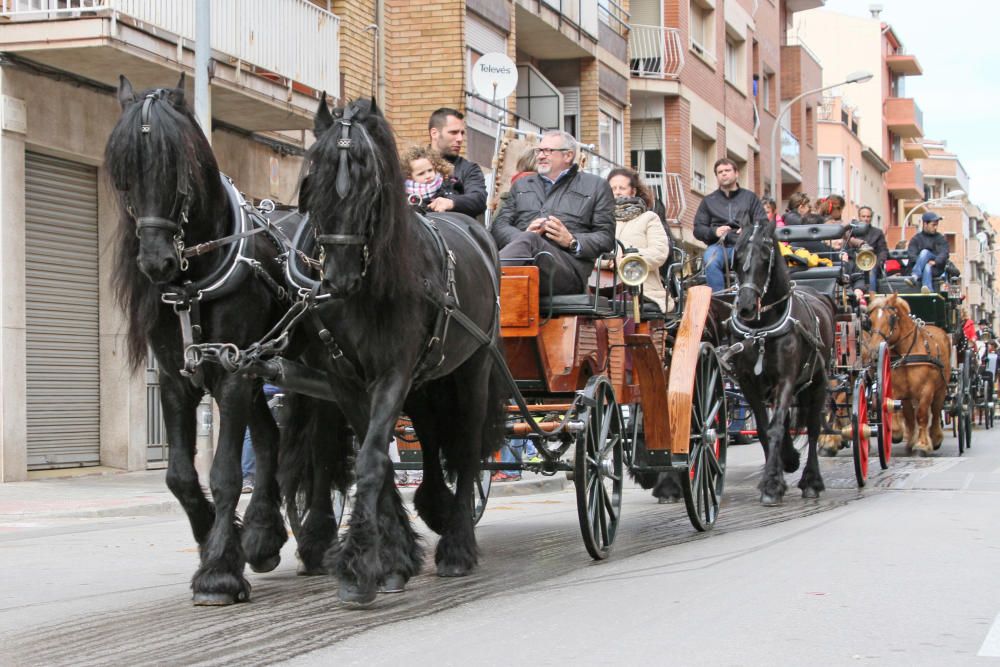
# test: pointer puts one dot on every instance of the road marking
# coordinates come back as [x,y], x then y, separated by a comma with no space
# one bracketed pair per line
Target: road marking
[991,645]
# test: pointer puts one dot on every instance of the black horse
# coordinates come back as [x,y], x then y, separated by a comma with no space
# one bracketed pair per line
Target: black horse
[408,323]
[785,342]
[173,197]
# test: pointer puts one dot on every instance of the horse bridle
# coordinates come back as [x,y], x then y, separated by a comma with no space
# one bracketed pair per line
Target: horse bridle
[182,203]
[866,323]
[343,185]
[748,262]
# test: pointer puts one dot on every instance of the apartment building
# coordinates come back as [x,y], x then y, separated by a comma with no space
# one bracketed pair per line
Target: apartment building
[571,57]
[889,121]
[980,283]
[708,78]
[66,396]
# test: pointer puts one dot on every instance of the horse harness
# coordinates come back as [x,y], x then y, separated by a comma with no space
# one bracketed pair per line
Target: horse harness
[758,337]
[908,359]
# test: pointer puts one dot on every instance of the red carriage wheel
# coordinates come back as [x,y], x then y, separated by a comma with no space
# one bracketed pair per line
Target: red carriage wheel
[859,437]
[884,401]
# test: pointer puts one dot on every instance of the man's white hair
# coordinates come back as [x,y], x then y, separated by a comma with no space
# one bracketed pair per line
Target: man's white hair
[568,141]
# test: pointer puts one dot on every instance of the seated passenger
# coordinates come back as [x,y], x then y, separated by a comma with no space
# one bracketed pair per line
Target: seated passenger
[560,216]
[640,228]
[428,176]
[864,233]
[927,254]
[719,218]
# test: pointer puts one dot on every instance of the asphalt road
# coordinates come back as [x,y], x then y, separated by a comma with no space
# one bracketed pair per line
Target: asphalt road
[898,573]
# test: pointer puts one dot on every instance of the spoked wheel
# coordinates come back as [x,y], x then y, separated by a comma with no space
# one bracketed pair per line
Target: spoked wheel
[859,438]
[705,477]
[598,468]
[297,509]
[883,400]
[963,406]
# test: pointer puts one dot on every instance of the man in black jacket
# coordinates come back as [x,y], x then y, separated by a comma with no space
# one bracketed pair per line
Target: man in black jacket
[561,217]
[864,233]
[718,220]
[928,253]
[447,133]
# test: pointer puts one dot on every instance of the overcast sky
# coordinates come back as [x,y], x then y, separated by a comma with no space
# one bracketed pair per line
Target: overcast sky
[958,46]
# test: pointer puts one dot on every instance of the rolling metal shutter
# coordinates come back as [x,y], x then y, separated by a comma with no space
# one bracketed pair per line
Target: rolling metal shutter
[61,284]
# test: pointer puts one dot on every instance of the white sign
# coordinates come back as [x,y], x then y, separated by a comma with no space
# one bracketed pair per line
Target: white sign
[494,76]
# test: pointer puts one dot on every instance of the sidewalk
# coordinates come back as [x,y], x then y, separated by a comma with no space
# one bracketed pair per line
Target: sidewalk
[119,494]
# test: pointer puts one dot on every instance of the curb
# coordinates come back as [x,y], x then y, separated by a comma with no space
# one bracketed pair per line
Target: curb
[524,487]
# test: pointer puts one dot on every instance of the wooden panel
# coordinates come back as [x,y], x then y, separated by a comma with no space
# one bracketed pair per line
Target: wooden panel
[522,358]
[519,301]
[616,353]
[647,365]
[560,353]
[684,361]
[406,439]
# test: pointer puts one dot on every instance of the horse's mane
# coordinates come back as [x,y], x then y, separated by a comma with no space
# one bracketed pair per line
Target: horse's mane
[375,201]
[133,159]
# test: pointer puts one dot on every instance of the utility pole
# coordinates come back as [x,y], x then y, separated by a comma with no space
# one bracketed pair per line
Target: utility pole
[202,57]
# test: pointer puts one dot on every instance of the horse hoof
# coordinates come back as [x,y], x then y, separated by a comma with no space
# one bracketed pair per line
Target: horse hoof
[919,453]
[213,599]
[768,500]
[669,500]
[452,570]
[810,494]
[826,452]
[354,595]
[304,570]
[266,565]
[394,583]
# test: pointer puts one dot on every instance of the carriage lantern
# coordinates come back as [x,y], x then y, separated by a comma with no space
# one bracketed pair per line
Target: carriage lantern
[632,271]
[866,258]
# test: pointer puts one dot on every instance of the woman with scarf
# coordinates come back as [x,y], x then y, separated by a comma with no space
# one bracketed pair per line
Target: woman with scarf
[638,227]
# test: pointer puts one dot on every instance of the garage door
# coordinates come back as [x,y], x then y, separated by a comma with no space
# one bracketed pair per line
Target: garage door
[63,363]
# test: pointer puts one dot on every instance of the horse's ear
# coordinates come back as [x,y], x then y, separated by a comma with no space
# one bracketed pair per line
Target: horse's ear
[375,109]
[177,96]
[125,94]
[323,119]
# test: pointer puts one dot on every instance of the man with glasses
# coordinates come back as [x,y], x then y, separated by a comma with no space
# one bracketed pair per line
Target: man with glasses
[447,133]
[719,218]
[560,216]
[928,254]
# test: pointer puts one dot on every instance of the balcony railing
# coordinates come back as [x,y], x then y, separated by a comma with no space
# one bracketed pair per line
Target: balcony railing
[293,39]
[614,16]
[790,150]
[581,13]
[669,189]
[656,52]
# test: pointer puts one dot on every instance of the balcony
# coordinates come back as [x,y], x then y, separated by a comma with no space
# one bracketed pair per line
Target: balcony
[904,118]
[669,189]
[791,164]
[915,150]
[905,180]
[904,64]
[803,5]
[655,52]
[557,29]
[262,79]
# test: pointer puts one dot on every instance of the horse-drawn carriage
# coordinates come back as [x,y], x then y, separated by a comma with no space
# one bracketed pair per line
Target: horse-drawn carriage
[926,334]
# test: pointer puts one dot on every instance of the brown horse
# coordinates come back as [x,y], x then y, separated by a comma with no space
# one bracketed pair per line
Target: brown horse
[921,366]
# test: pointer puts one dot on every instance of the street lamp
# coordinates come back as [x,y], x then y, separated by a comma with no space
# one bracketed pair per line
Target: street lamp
[855,77]
[952,194]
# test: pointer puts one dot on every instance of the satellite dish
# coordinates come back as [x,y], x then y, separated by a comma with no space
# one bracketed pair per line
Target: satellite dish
[494,76]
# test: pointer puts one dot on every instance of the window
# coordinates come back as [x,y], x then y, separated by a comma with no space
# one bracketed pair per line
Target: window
[735,60]
[810,126]
[831,176]
[610,136]
[702,29]
[765,91]
[701,162]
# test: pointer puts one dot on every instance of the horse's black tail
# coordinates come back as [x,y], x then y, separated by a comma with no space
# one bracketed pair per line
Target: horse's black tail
[315,444]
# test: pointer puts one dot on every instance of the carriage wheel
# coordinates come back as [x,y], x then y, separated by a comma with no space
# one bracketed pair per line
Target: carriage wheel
[297,509]
[963,402]
[705,475]
[883,399]
[859,438]
[598,468]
